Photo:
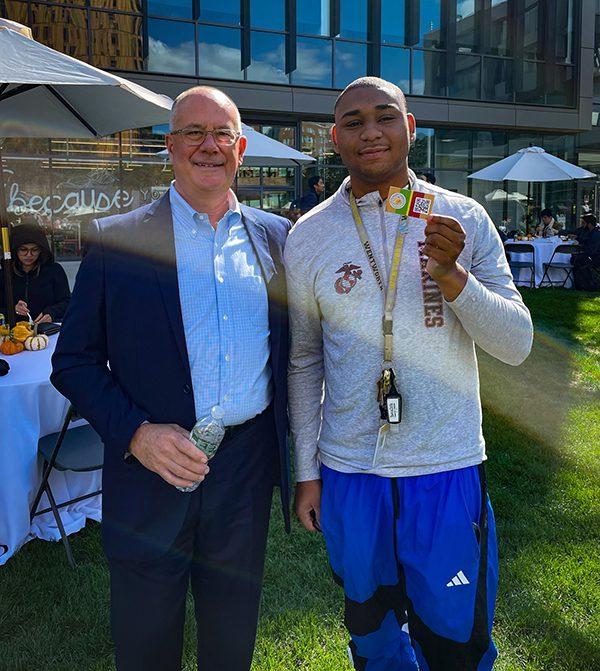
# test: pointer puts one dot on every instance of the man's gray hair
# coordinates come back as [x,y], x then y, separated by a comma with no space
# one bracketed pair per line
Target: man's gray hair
[210,91]
[374,83]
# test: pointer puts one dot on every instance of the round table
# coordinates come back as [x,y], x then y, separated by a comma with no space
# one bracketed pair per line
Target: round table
[30,407]
[544,248]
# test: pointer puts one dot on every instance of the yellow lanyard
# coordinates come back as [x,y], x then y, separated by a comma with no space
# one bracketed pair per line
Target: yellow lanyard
[390,293]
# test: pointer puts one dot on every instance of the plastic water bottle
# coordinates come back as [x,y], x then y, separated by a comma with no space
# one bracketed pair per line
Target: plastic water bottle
[207,435]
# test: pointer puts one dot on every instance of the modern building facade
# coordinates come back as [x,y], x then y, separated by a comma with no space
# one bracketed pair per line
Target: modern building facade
[483,78]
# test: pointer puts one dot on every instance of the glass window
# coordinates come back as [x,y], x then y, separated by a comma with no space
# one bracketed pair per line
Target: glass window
[453,180]
[117,41]
[350,62]
[276,201]
[220,11]
[427,73]
[562,146]
[532,88]
[267,14]
[15,11]
[430,24]
[422,150]
[284,134]
[561,88]
[313,66]
[219,52]
[533,29]
[316,138]
[498,30]
[466,78]
[134,6]
[451,148]
[181,9]
[171,47]
[498,79]
[467,34]
[353,19]
[267,58]
[312,17]
[395,66]
[564,26]
[62,28]
[488,147]
[517,141]
[248,176]
[392,21]
[273,176]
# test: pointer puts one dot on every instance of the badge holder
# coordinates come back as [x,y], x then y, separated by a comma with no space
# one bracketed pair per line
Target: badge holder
[390,407]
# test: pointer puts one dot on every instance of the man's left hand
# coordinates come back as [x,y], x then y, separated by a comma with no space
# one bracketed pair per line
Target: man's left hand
[42,319]
[444,241]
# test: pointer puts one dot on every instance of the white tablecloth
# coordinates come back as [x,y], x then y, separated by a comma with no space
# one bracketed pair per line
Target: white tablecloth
[544,248]
[30,408]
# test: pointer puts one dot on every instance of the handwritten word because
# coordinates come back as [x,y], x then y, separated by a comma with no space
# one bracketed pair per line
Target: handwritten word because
[81,202]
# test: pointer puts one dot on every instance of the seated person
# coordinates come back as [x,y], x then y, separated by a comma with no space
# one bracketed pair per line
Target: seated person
[40,286]
[586,263]
[547,227]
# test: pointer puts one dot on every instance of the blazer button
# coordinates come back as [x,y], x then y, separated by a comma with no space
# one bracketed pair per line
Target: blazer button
[187,388]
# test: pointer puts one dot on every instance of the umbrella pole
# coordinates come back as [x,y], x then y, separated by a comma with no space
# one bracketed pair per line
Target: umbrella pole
[6,257]
[528,217]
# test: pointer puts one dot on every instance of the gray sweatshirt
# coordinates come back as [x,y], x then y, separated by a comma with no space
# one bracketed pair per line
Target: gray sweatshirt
[336,357]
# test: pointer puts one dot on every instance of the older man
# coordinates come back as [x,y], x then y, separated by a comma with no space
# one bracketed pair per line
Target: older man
[386,307]
[179,306]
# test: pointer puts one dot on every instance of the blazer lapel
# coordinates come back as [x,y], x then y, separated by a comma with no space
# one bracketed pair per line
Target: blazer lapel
[160,247]
[260,242]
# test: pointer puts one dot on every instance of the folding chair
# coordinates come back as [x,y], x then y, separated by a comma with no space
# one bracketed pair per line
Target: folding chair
[79,450]
[522,248]
[567,266]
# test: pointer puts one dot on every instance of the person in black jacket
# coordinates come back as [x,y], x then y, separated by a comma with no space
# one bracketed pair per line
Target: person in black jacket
[316,187]
[40,286]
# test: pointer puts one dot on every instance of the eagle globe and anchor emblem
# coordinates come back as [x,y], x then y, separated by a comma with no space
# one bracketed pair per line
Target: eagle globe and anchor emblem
[352,273]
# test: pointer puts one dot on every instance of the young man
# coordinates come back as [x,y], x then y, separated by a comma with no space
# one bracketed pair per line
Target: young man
[316,187]
[402,505]
[185,298]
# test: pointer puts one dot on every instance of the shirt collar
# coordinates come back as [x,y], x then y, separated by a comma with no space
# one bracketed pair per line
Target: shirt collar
[183,211]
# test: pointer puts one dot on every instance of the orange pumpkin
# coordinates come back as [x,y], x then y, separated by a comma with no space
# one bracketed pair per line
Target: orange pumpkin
[10,347]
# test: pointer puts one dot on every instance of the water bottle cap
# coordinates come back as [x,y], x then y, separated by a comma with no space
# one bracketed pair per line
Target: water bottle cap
[217,412]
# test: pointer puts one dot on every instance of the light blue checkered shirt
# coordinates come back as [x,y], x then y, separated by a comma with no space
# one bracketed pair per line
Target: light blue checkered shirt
[225,311]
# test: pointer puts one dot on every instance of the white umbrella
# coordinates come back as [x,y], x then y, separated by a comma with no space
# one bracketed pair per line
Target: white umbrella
[265,151]
[44,93]
[502,195]
[531,164]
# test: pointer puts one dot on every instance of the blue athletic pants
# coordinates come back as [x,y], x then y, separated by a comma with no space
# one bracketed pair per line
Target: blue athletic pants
[417,560]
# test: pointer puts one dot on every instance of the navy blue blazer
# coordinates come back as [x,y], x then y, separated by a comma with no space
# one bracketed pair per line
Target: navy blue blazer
[125,312]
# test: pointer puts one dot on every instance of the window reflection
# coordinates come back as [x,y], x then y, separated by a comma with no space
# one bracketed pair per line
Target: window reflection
[133,6]
[499,42]
[316,138]
[267,58]
[422,150]
[533,29]
[561,88]
[220,11]
[392,21]
[488,147]
[61,28]
[467,37]
[116,40]
[532,87]
[171,47]
[353,19]
[451,148]
[312,17]
[395,66]
[564,26]
[313,66]
[173,8]
[467,74]
[267,14]
[427,73]
[430,22]
[350,62]
[498,79]
[219,52]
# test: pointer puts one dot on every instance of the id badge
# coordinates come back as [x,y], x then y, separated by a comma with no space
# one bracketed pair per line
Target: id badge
[392,402]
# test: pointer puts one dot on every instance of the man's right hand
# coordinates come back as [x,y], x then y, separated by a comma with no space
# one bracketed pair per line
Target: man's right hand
[308,504]
[167,450]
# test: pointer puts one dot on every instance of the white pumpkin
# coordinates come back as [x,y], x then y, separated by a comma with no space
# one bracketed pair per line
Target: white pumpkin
[36,342]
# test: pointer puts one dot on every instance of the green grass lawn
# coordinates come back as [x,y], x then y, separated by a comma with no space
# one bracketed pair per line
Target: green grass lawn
[542,425]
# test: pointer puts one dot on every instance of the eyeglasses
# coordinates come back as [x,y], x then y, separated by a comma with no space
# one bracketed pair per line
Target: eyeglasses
[33,251]
[226,137]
